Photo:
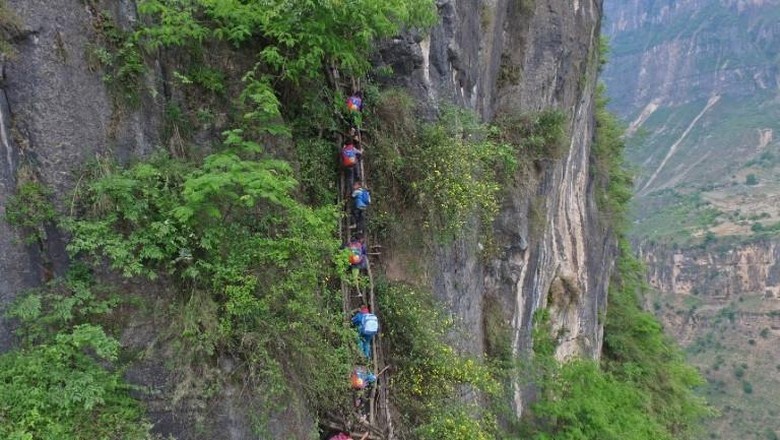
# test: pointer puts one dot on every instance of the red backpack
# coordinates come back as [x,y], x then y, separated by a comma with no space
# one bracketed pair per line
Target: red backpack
[349,156]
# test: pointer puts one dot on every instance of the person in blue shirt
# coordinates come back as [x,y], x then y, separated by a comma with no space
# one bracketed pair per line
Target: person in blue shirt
[361,198]
[367,325]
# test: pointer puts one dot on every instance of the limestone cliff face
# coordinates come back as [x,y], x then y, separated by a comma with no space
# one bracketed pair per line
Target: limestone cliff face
[55,114]
[493,56]
[530,56]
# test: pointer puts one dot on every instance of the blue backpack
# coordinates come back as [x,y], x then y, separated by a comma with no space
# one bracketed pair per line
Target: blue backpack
[365,197]
[354,104]
[370,325]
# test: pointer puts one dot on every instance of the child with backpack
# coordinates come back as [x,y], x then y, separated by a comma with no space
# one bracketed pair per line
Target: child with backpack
[357,253]
[351,155]
[361,198]
[355,109]
[368,325]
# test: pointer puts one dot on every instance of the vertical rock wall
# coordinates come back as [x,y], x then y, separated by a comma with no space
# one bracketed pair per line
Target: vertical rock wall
[554,251]
[56,114]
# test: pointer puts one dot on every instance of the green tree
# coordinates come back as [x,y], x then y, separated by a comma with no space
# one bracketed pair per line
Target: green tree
[230,233]
[60,390]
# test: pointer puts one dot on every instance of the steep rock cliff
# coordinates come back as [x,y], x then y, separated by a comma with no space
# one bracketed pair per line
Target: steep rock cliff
[512,57]
[531,56]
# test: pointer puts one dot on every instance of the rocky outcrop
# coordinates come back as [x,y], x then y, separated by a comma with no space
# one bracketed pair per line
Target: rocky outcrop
[719,271]
[495,57]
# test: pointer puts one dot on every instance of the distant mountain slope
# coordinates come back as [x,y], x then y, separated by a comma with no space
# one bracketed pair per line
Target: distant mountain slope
[698,82]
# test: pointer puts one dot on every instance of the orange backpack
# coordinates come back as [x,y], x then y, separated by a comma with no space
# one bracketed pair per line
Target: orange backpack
[355,253]
[349,156]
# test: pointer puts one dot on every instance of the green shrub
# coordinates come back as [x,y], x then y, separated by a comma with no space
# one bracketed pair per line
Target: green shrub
[456,424]
[614,181]
[318,174]
[637,352]
[536,136]
[428,373]
[450,171]
[63,380]
[31,210]
[581,402]
[60,390]
[61,304]
[248,260]
[118,54]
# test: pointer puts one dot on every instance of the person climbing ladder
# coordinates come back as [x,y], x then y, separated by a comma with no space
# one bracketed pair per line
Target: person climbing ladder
[355,109]
[357,253]
[351,155]
[368,325]
[370,397]
[361,198]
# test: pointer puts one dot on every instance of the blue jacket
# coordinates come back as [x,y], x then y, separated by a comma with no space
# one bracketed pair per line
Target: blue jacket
[357,320]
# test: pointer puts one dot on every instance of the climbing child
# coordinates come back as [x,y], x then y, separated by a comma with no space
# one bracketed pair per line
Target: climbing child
[361,379]
[355,109]
[361,198]
[351,155]
[368,325]
[357,253]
